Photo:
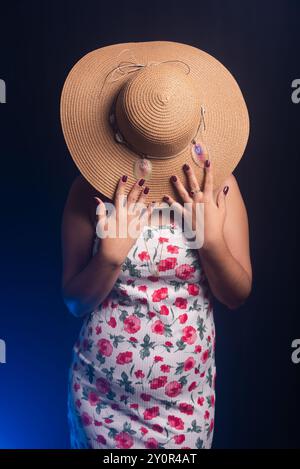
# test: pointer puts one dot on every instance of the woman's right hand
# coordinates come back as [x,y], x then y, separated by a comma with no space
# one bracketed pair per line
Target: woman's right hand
[114,248]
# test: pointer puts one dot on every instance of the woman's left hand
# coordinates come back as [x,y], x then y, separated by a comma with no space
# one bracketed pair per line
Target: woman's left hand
[214,211]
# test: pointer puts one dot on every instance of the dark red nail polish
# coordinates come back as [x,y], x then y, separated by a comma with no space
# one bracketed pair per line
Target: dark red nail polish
[146,190]
[186,167]
[124,178]
[226,189]
[165,198]
[192,193]
[207,163]
[174,178]
[141,182]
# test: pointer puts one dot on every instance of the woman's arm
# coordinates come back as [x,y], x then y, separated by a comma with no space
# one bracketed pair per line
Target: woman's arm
[86,280]
[227,262]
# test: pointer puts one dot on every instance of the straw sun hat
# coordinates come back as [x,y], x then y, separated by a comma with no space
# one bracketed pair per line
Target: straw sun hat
[143,109]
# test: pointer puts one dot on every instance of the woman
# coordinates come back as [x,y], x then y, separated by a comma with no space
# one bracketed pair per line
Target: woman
[95,406]
[143,369]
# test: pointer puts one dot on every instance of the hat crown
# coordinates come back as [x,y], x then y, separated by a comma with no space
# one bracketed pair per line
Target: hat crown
[158,110]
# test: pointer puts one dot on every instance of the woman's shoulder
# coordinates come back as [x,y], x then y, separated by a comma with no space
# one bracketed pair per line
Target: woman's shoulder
[81,197]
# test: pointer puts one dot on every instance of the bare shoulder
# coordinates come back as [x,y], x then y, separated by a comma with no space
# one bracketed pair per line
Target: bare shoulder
[81,198]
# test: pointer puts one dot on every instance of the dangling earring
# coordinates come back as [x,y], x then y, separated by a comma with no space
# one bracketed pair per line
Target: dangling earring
[199,148]
[142,167]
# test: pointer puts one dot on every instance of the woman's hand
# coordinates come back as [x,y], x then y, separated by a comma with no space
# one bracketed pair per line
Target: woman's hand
[128,221]
[214,211]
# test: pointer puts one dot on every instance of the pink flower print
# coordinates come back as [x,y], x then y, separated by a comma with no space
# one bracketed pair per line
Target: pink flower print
[163,240]
[189,364]
[186,408]
[189,335]
[144,256]
[158,358]
[165,368]
[206,415]
[144,430]
[134,406]
[168,344]
[76,387]
[173,388]
[152,278]
[178,439]
[200,401]
[192,386]
[157,428]
[158,382]
[160,294]
[124,357]
[78,403]
[151,314]
[105,303]
[133,339]
[102,385]
[197,348]
[145,397]
[124,440]
[97,423]
[151,443]
[86,419]
[93,398]
[205,356]
[181,303]
[211,426]
[142,288]
[172,249]
[193,289]
[101,439]
[139,374]
[167,264]
[132,324]
[183,318]
[151,412]
[185,271]
[175,422]
[105,347]
[98,330]
[112,322]
[107,420]
[158,327]
[164,310]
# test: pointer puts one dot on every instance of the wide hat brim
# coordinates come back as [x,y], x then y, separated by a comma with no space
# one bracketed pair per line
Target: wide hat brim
[89,136]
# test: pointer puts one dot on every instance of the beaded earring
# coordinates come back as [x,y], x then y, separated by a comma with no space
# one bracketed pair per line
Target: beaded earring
[142,167]
[199,148]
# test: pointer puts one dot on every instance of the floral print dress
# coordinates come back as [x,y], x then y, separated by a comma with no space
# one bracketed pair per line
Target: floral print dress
[143,369]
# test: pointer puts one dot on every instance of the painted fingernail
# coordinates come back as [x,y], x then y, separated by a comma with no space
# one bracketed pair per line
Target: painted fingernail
[165,198]
[141,182]
[226,189]
[207,163]
[97,201]
[186,167]
[174,178]
[146,190]
[124,178]
[192,193]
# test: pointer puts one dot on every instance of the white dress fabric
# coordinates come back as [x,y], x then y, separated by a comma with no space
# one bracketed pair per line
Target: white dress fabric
[143,369]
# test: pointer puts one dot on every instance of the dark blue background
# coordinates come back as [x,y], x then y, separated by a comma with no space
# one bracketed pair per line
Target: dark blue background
[257,384]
